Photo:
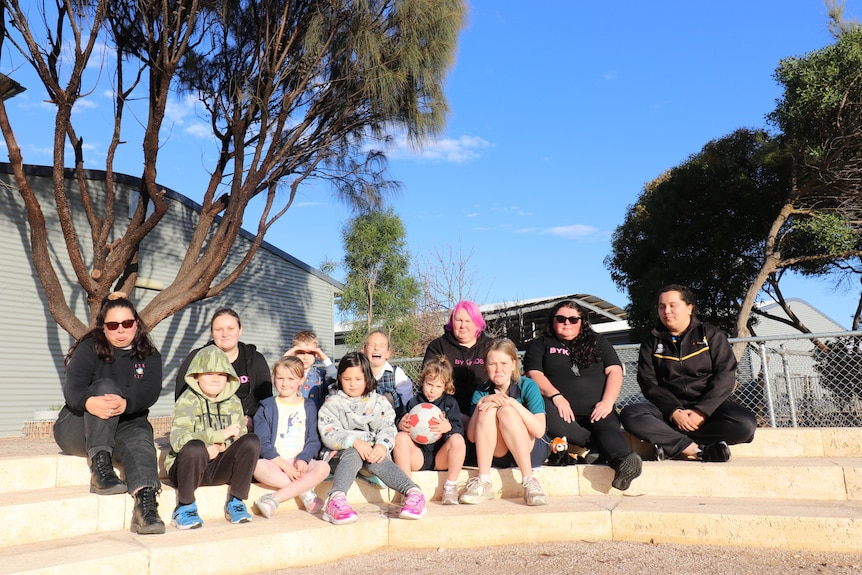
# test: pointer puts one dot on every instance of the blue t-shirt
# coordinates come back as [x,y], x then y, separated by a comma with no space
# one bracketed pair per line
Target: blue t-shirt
[525,391]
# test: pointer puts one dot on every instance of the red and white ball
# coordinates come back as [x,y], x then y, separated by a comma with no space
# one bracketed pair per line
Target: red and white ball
[420,419]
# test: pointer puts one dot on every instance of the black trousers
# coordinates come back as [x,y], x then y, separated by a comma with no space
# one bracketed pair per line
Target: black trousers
[604,436]
[129,439]
[731,423]
[234,467]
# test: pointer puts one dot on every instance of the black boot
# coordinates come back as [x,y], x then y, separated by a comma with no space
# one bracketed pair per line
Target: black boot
[145,517]
[103,478]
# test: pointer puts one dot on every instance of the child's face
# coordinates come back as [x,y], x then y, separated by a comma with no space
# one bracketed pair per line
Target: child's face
[433,388]
[305,353]
[376,349]
[286,382]
[500,368]
[353,381]
[211,384]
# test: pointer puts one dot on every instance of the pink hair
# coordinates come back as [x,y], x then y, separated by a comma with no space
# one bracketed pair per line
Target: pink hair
[474,313]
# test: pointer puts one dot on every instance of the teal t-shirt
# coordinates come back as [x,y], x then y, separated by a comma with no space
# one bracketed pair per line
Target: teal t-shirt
[525,391]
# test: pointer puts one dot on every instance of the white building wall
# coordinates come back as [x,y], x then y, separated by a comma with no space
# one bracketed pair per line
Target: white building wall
[276,297]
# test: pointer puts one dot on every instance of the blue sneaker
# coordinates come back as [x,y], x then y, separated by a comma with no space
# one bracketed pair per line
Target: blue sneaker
[186,517]
[235,511]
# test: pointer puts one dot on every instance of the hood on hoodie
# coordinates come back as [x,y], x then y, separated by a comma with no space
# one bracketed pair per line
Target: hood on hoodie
[211,359]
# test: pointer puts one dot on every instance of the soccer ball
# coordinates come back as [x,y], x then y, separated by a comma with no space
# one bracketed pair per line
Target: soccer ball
[420,418]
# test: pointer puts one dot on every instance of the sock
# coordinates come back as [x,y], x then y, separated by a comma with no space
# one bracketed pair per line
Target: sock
[526,479]
[414,490]
[485,478]
[450,483]
[536,470]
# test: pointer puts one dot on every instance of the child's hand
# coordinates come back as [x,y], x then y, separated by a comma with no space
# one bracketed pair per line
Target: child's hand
[378,454]
[440,426]
[214,449]
[232,430]
[363,448]
[404,424]
[301,467]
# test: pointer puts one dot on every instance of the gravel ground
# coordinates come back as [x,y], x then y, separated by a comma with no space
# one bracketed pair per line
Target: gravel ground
[597,558]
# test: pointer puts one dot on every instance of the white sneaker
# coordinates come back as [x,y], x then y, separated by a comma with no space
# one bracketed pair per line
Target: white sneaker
[477,491]
[450,494]
[533,493]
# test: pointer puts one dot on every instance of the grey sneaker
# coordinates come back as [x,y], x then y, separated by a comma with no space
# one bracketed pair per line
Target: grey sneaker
[477,491]
[450,495]
[533,493]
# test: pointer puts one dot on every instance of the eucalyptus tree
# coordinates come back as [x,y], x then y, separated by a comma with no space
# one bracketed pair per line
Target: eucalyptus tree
[294,91]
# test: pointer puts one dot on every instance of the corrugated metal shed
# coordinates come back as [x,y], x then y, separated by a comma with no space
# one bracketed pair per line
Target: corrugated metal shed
[277,296]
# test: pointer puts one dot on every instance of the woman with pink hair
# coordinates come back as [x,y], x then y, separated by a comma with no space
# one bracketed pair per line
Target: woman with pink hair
[464,344]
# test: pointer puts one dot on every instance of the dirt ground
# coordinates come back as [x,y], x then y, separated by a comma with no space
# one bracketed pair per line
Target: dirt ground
[594,558]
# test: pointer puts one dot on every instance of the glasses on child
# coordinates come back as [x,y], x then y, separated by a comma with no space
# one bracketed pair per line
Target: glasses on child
[115,325]
[567,319]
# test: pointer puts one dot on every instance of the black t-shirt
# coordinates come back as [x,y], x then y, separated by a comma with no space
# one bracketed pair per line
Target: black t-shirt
[581,386]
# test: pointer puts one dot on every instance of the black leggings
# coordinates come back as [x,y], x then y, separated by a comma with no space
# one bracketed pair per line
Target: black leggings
[604,436]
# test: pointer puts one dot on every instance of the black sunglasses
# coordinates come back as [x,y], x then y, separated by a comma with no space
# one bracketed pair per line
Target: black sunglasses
[114,325]
[567,319]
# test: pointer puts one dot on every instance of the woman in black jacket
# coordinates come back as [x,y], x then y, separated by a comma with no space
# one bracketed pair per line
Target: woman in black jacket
[113,377]
[250,365]
[687,371]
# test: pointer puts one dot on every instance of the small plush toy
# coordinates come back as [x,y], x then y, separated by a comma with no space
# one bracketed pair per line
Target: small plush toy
[559,455]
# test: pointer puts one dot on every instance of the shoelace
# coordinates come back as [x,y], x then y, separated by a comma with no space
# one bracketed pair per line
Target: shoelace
[234,506]
[475,484]
[412,500]
[148,499]
[102,466]
[340,504]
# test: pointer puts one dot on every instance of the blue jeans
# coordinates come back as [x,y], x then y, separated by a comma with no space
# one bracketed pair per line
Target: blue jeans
[129,439]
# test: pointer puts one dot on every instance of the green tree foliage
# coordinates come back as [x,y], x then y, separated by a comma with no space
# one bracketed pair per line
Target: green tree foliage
[701,224]
[820,118]
[379,292]
[295,90]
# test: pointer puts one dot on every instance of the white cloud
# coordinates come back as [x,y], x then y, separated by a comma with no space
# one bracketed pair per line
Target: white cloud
[577,231]
[454,150]
[199,130]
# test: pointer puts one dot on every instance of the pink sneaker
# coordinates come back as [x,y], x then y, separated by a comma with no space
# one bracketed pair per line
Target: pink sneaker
[338,511]
[414,506]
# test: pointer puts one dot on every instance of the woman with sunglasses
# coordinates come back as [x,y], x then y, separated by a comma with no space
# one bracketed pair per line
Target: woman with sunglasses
[580,376]
[113,377]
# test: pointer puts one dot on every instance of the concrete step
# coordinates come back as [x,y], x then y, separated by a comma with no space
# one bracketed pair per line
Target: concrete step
[59,470]
[221,548]
[75,511]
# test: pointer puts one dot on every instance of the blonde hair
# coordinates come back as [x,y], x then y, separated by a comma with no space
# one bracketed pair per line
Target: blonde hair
[305,336]
[292,364]
[438,367]
[507,346]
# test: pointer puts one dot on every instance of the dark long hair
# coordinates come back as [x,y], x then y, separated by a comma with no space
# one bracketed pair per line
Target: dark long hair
[142,345]
[357,359]
[584,348]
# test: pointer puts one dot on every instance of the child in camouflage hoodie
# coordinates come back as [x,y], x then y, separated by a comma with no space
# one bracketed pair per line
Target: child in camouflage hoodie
[210,443]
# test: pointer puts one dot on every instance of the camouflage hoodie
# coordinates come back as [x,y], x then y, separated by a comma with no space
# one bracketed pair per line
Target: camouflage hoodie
[198,417]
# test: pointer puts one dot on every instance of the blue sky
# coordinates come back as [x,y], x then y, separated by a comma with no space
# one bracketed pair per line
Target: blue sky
[559,115]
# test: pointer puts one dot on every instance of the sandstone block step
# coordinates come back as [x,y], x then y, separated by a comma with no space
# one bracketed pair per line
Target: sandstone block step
[75,511]
[221,548]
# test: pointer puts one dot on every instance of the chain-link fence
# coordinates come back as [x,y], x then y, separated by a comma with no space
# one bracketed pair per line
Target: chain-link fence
[805,380]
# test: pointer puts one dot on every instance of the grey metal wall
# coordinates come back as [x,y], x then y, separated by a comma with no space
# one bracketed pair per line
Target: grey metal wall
[277,296]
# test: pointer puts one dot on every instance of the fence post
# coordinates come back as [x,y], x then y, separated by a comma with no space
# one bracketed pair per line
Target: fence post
[765,367]
[790,396]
